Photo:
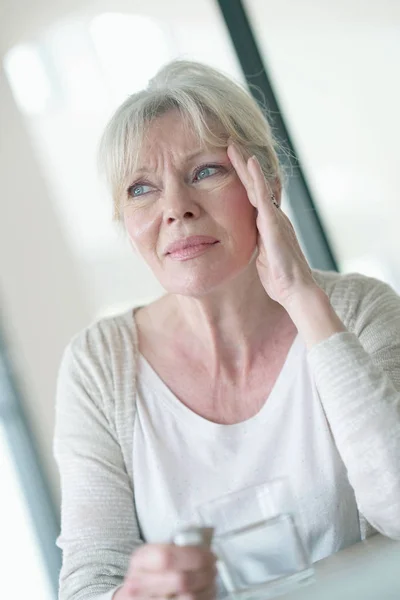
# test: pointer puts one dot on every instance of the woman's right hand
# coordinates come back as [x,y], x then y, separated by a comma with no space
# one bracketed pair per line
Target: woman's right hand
[166,570]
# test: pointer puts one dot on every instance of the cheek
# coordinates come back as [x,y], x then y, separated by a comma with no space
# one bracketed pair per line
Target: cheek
[140,227]
[239,217]
[237,207]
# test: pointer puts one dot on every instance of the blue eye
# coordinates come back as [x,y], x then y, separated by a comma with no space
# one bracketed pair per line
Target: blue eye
[139,190]
[205,172]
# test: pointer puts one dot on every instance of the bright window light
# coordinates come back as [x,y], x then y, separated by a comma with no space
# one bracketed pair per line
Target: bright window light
[18,543]
[28,79]
[131,48]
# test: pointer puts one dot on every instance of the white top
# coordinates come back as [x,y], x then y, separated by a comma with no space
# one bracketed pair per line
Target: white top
[357,374]
[181,459]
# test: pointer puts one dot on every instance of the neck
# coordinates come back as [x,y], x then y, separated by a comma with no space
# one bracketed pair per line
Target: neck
[229,327]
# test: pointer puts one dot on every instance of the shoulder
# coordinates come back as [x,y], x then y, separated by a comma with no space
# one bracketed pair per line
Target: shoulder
[98,373]
[104,334]
[358,299]
[346,284]
[103,345]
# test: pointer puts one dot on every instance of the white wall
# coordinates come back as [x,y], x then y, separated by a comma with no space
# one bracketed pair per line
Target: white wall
[42,300]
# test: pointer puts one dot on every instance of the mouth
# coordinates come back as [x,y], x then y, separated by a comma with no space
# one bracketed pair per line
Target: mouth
[189,241]
[192,251]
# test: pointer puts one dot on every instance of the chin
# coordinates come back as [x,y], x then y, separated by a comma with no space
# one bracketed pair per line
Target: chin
[194,288]
[200,284]
[197,279]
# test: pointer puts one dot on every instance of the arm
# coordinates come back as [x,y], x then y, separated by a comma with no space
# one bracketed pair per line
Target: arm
[98,524]
[358,379]
[357,374]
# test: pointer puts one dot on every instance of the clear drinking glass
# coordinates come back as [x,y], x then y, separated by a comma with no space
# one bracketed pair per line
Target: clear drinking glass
[258,541]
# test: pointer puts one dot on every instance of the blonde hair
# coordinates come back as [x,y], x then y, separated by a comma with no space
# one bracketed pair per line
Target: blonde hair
[204,96]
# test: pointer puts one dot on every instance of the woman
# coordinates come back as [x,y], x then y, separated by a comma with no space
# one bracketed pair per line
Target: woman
[251,366]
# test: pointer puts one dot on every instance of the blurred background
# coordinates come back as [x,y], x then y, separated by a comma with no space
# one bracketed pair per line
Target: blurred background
[329,72]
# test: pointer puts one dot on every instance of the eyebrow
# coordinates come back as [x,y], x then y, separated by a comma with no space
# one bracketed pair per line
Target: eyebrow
[141,169]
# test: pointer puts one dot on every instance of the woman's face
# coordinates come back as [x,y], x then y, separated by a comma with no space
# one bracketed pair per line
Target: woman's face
[181,190]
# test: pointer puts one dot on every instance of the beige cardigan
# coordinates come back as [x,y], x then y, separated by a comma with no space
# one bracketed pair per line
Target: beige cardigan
[357,374]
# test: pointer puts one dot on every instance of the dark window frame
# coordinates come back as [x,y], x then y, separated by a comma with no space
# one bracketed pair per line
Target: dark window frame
[307,220]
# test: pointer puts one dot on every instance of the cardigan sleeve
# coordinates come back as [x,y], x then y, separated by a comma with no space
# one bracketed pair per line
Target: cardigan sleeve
[99,529]
[357,374]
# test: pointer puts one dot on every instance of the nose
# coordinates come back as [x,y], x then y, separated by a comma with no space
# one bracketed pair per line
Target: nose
[179,204]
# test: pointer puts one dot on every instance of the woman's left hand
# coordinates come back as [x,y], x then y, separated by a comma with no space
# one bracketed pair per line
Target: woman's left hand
[281,264]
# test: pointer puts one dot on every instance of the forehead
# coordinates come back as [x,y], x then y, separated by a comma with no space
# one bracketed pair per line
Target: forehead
[170,132]
[175,134]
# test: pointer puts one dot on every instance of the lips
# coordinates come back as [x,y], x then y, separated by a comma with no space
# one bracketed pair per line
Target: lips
[189,242]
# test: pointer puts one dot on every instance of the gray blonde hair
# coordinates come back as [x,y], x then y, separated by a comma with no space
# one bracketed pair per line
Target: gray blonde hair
[204,96]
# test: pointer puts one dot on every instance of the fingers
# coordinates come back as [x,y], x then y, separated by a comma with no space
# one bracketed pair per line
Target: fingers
[209,594]
[175,583]
[165,570]
[240,166]
[167,557]
[262,189]
[251,175]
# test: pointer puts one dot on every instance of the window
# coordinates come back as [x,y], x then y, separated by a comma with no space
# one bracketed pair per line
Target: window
[332,65]
[27,530]
[19,548]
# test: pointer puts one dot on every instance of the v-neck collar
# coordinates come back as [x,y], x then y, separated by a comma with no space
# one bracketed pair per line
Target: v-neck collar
[148,379]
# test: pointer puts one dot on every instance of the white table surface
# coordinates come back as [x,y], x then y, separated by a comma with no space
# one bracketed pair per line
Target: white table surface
[369,570]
